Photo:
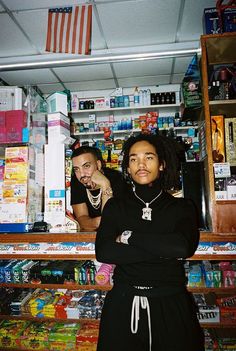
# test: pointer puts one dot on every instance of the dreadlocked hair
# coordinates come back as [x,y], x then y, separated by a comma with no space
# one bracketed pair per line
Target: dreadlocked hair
[167,150]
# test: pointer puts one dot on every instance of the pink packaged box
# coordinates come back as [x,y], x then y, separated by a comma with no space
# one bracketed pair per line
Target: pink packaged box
[2,118]
[16,119]
[13,134]
[2,134]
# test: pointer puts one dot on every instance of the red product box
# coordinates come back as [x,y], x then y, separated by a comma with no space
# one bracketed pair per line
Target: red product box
[16,119]
[13,134]
[2,118]
[2,134]
[228,315]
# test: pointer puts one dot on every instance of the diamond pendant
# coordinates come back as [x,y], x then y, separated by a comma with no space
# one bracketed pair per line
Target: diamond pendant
[147,213]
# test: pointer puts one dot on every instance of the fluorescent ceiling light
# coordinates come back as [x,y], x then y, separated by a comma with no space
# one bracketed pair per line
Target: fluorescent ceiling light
[39,61]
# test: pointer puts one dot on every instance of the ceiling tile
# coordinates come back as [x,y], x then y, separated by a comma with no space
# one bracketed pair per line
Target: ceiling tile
[144,81]
[12,41]
[29,77]
[91,85]
[192,22]
[84,73]
[139,68]
[50,88]
[139,23]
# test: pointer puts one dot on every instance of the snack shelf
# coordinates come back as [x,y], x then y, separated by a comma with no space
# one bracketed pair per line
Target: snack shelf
[70,320]
[43,319]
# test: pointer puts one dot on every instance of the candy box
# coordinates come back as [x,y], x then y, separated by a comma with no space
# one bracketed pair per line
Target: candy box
[87,337]
[62,337]
[35,336]
[10,331]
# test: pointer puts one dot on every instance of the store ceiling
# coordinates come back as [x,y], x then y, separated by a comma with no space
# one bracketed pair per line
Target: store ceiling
[119,27]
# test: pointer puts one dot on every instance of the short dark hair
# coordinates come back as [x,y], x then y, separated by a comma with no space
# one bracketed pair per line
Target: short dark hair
[88,150]
[167,151]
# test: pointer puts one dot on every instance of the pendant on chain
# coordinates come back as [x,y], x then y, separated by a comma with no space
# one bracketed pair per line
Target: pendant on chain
[147,213]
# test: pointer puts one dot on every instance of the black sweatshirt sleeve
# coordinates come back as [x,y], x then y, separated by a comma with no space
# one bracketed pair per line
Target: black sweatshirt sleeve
[182,243]
[106,247]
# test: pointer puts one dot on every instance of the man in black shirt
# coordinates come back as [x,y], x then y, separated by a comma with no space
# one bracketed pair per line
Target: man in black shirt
[91,186]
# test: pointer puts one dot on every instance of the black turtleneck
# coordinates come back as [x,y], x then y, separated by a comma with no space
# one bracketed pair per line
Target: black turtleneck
[152,255]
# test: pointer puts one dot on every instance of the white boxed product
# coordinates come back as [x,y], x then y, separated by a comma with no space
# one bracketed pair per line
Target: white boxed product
[231,187]
[208,314]
[14,211]
[55,184]
[58,127]
[57,102]
[10,98]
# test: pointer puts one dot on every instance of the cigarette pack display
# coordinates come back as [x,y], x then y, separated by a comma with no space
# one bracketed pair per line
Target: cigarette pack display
[230,140]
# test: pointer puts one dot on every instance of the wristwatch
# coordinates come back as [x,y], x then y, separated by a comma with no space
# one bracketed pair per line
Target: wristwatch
[125,236]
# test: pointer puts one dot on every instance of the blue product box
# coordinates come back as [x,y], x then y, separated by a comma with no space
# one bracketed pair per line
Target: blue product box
[211,23]
[15,227]
[229,20]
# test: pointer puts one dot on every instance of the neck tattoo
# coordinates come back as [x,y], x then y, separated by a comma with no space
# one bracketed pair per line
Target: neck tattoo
[147,211]
[94,200]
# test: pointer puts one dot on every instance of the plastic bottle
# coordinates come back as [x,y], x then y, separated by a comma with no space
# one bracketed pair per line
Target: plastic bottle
[145,98]
[141,97]
[148,97]
[136,97]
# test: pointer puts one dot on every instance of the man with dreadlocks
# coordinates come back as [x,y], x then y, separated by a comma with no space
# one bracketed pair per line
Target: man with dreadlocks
[147,233]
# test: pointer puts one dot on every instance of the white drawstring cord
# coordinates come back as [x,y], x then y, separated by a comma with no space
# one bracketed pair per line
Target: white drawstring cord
[143,300]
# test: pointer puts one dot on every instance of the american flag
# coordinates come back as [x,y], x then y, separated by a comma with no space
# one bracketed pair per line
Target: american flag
[69,29]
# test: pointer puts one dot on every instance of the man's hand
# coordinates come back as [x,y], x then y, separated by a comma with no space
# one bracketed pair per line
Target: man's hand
[99,180]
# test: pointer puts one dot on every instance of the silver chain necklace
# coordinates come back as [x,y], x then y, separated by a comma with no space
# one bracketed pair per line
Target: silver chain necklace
[147,211]
[95,200]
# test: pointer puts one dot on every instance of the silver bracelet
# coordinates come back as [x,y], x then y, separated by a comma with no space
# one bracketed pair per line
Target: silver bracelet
[125,236]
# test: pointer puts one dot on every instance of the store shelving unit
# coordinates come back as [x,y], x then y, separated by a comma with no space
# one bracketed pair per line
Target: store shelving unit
[217,50]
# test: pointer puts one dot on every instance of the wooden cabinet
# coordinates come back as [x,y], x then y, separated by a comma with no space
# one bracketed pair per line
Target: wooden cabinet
[217,50]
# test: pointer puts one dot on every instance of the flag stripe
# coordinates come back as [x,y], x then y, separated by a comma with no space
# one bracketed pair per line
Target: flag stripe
[55,33]
[49,32]
[69,29]
[75,29]
[81,30]
[68,33]
[88,31]
[61,31]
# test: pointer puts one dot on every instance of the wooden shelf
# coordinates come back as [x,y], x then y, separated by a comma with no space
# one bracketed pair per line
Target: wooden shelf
[47,237]
[90,237]
[211,237]
[63,257]
[74,286]
[223,107]
[213,257]
[205,290]
[69,286]
[218,325]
